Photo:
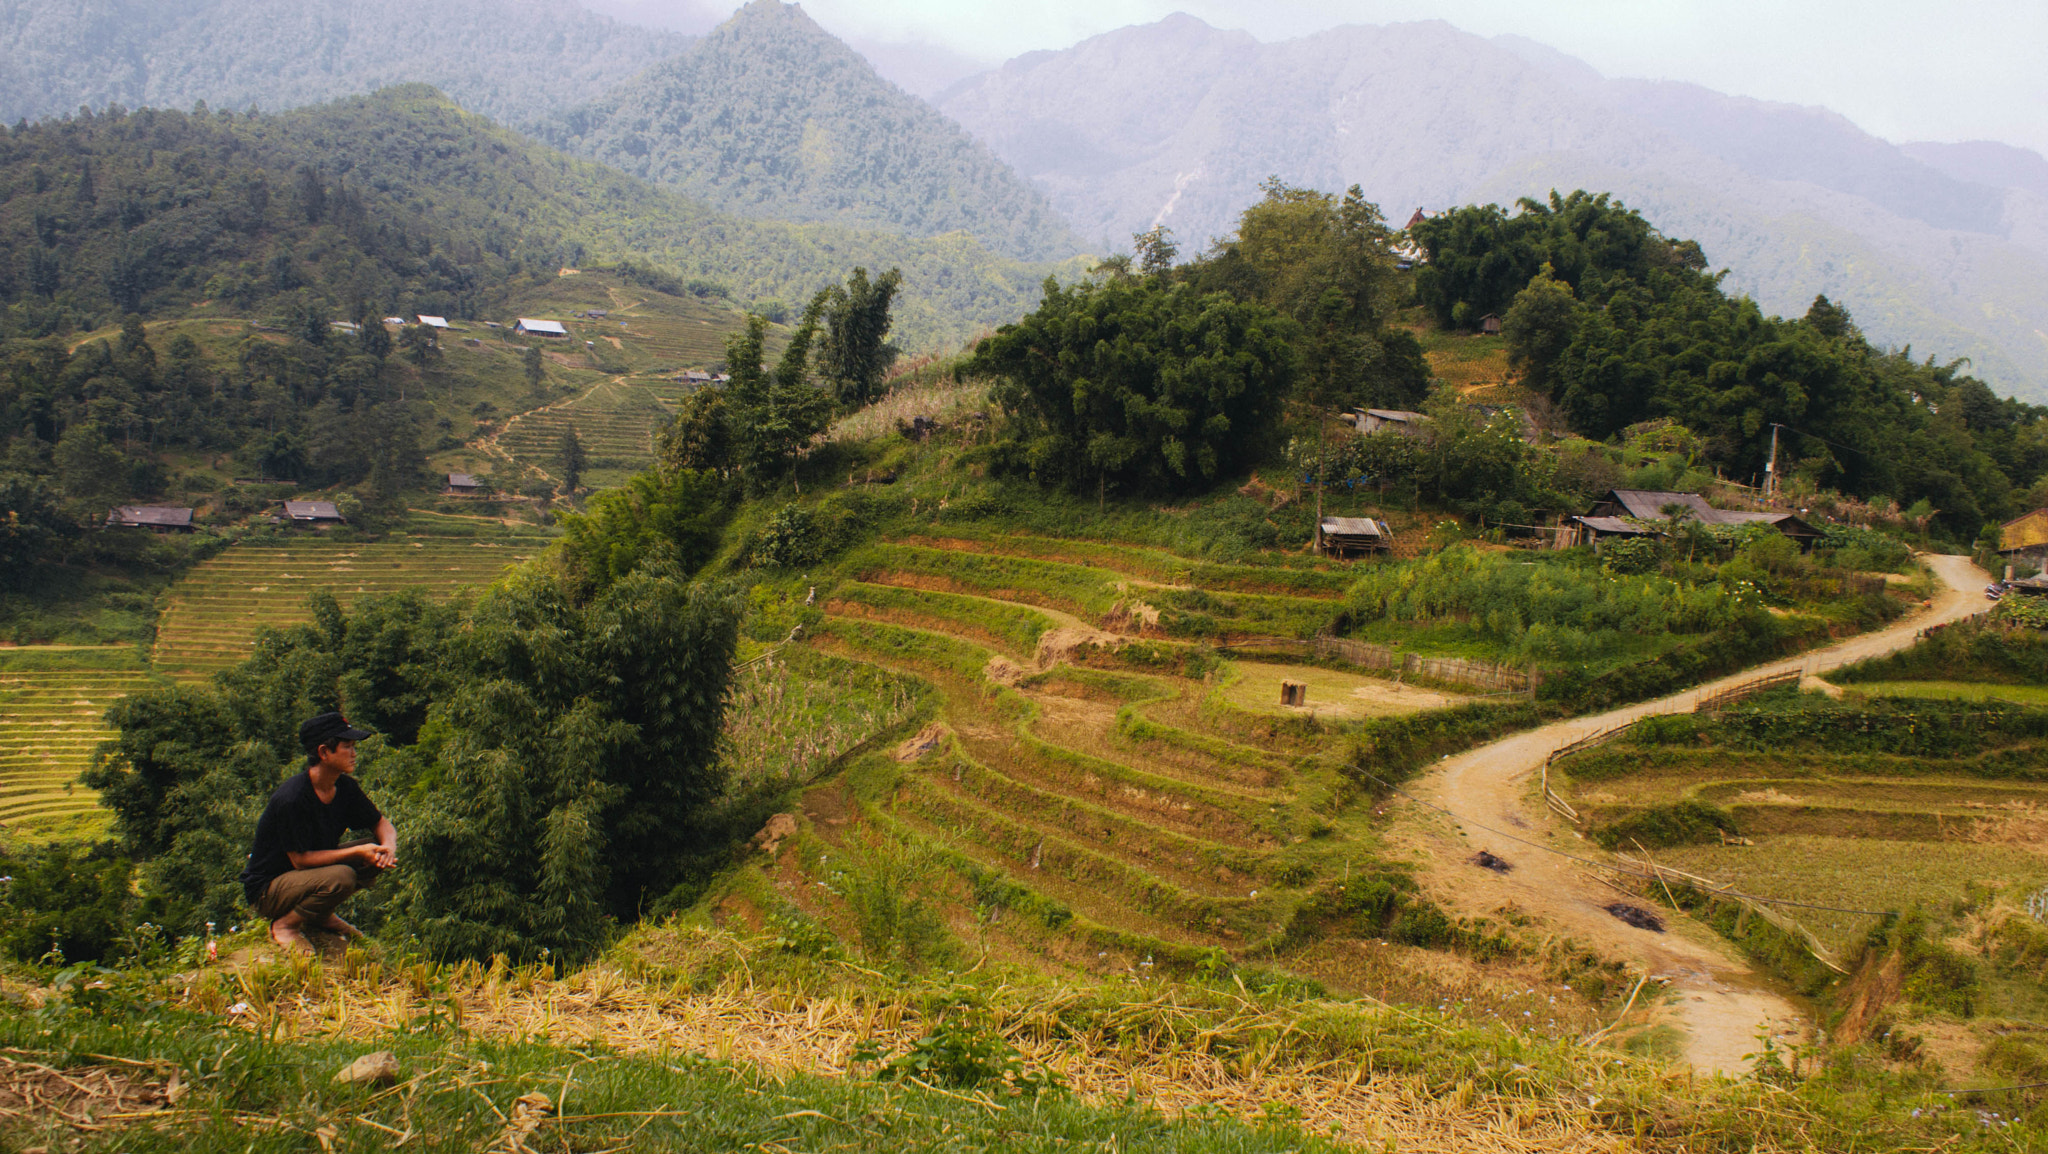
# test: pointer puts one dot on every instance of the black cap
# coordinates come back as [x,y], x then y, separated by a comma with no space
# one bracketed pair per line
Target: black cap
[329,729]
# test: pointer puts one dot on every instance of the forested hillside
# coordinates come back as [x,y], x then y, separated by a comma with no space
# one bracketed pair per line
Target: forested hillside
[396,203]
[1617,324]
[771,116]
[1178,122]
[513,60]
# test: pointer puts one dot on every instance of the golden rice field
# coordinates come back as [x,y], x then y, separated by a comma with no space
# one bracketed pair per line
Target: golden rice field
[215,611]
[53,704]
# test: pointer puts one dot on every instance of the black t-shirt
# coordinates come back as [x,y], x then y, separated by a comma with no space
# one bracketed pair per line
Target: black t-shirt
[297,821]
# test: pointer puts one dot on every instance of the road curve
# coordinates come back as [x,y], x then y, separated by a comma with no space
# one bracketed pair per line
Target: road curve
[1716,1001]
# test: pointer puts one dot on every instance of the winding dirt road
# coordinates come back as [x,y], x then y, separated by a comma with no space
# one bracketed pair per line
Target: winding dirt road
[1713,998]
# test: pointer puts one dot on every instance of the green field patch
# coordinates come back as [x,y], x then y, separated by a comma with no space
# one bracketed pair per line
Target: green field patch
[1191,862]
[1089,592]
[1952,797]
[1280,573]
[1859,873]
[1953,691]
[1255,686]
[1013,629]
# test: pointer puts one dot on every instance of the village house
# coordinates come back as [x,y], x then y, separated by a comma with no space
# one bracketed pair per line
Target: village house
[1353,536]
[2025,538]
[1370,421]
[438,324]
[1644,513]
[157,518]
[317,514]
[463,485]
[535,327]
[1490,324]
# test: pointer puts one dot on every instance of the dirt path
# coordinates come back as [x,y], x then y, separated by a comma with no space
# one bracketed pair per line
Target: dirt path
[1713,998]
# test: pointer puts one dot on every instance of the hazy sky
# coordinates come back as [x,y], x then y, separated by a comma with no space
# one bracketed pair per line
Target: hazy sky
[1902,69]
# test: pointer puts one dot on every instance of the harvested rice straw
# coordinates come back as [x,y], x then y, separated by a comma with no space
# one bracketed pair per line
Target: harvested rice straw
[1177,1057]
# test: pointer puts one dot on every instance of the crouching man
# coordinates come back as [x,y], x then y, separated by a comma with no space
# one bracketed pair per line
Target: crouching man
[299,872]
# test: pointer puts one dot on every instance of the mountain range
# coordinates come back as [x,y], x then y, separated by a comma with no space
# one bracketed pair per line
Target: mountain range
[1177,123]
[1943,247]
[771,116]
[515,61]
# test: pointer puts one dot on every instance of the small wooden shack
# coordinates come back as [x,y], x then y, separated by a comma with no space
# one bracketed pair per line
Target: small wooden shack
[318,514]
[1353,536]
[463,485]
[2025,538]
[1490,325]
[156,518]
[1370,421]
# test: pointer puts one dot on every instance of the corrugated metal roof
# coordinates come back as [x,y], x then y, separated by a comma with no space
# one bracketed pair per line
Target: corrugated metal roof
[463,481]
[173,515]
[1614,525]
[433,322]
[1355,527]
[534,325]
[1649,504]
[312,511]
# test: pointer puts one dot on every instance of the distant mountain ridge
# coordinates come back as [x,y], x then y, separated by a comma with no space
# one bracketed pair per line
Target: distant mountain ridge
[1177,122]
[770,116]
[515,61]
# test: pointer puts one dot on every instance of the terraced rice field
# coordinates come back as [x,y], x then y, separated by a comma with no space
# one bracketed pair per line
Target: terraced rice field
[53,703]
[1073,761]
[216,609]
[614,420]
[1858,831]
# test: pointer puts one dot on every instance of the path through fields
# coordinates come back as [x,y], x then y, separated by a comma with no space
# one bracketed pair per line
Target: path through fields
[1721,1004]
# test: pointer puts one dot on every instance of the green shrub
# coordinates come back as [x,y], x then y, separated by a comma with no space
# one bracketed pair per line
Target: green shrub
[66,899]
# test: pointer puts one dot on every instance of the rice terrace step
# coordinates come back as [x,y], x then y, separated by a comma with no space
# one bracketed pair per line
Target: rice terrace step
[53,705]
[215,611]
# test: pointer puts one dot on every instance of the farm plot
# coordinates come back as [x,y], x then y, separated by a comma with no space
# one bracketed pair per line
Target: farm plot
[1255,686]
[615,421]
[216,609]
[53,704]
[1086,782]
[1094,592]
[1877,808]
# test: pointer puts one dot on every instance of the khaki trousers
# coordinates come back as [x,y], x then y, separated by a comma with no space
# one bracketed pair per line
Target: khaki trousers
[315,894]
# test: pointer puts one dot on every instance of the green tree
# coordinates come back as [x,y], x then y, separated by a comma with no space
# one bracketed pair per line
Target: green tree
[31,525]
[855,354]
[1155,250]
[573,763]
[569,460]
[420,346]
[88,466]
[535,370]
[1539,327]
[775,413]
[1138,385]
[673,517]
[701,437]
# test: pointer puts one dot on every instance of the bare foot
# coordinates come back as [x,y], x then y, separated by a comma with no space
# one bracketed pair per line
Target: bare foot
[290,938]
[334,925]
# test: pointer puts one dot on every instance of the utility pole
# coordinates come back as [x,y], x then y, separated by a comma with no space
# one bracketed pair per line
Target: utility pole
[1771,468]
